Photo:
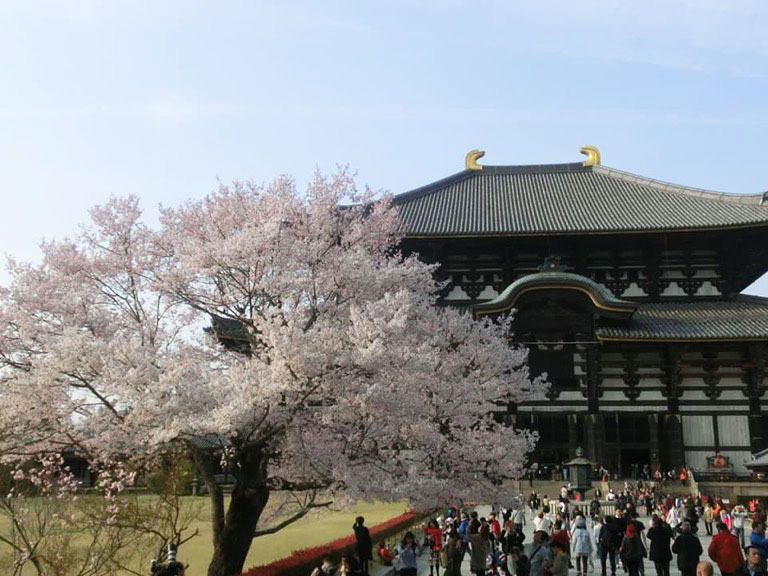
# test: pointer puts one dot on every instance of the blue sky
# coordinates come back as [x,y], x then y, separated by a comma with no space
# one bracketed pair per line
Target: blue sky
[163,98]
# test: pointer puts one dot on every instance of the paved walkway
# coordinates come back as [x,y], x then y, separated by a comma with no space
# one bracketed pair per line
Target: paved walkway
[650,570]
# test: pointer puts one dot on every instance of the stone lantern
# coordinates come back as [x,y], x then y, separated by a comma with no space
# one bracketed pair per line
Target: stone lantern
[580,473]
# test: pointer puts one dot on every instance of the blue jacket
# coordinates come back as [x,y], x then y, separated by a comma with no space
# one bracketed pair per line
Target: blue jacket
[462,529]
[408,556]
[581,543]
[760,542]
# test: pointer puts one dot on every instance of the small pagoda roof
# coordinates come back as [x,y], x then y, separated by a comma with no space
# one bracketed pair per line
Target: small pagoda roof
[760,461]
[567,199]
[744,318]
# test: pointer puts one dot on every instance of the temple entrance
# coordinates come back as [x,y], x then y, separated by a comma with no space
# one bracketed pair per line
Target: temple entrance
[627,443]
[632,461]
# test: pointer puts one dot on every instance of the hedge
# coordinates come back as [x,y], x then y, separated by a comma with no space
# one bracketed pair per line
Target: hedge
[302,562]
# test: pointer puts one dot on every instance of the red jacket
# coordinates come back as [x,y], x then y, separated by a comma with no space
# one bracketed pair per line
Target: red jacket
[726,552]
[435,536]
[562,537]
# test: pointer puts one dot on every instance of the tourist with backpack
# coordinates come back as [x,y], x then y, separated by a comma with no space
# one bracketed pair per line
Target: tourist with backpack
[452,554]
[537,553]
[581,545]
[632,551]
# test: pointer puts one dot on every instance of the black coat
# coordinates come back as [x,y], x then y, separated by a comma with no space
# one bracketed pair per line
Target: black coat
[632,550]
[511,539]
[364,545]
[610,539]
[688,549]
[660,537]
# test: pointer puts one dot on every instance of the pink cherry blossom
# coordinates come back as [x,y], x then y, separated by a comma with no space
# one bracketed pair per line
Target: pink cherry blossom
[344,379]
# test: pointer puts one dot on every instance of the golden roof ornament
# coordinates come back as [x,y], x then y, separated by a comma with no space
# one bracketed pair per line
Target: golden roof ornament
[592,154]
[470,162]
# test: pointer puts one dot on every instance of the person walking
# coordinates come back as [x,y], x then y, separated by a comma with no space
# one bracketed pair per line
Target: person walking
[632,551]
[512,538]
[533,504]
[494,525]
[542,523]
[738,515]
[596,529]
[538,552]
[453,554]
[463,531]
[594,507]
[709,517]
[518,517]
[688,549]
[758,540]
[435,538]
[609,543]
[363,544]
[673,518]
[407,554]
[581,545]
[559,565]
[480,548]
[660,536]
[725,551]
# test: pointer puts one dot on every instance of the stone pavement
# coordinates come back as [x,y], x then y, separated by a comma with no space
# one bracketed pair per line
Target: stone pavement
[650,570]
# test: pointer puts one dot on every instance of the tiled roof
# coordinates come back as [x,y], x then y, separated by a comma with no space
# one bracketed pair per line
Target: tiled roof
[567,199]
[760,460]
[227,328]
[745,318]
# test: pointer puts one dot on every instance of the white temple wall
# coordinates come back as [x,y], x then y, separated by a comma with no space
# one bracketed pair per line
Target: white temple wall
[733,430]
[696,460]
[698,431]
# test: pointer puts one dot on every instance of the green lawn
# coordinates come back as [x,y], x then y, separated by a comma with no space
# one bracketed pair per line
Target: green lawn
[309,531]
[314,530]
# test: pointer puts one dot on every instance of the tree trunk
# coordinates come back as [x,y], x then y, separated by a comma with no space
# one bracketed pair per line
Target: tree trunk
[232,538]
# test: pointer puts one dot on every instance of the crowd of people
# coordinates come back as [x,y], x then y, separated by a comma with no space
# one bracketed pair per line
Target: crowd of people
[606,534]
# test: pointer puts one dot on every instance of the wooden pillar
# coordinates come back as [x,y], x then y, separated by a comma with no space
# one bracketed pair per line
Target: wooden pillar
[672,453]
[754,374]
[672,377]
[573,434]
[653,427]
[595,438]
[593,368]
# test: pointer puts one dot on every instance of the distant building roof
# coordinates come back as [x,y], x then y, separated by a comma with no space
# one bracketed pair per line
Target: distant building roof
[760,461]
[567,199]
[745,318]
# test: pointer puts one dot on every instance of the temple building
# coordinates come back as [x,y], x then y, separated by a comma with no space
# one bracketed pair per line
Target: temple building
[627,292]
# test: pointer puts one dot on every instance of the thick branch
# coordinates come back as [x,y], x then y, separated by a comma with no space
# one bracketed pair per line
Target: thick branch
[282,485]
[290,520]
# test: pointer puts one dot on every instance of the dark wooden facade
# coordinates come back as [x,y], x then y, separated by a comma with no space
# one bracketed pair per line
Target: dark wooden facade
[652,353]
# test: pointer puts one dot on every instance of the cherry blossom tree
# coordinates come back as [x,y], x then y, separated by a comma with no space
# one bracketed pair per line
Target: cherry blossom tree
[284,329]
